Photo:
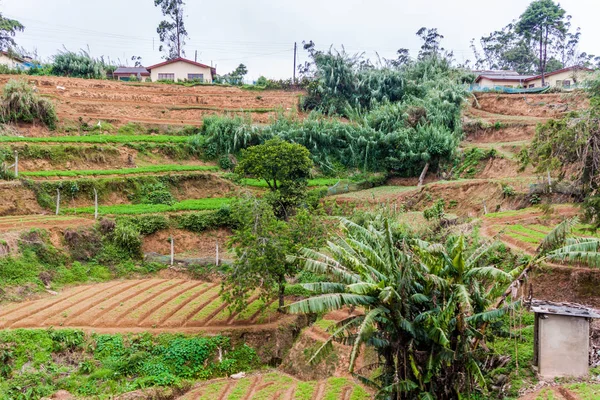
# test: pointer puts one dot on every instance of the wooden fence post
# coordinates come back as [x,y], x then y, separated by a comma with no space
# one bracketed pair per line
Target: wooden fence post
[95,204]
[172,251]
[549,181]
[16,163]
[57,201]
[217,255]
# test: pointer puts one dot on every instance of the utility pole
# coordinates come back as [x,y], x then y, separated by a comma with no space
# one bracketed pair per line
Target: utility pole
[196,56]
[295,52]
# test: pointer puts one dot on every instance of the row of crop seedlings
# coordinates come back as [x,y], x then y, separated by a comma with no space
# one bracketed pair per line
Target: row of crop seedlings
[275,385]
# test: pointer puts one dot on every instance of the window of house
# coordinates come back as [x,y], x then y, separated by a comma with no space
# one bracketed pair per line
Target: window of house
[559,83]
[195,77]
[566,83]
[170,77]
[532,85]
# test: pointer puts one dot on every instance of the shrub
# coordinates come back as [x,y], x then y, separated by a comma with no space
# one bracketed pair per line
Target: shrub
[127,238]
[201,221]
[82,65]
[147,224]
[83,243]
[21,103]
[157,193]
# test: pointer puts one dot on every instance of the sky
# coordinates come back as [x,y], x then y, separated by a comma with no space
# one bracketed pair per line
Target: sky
[261,33]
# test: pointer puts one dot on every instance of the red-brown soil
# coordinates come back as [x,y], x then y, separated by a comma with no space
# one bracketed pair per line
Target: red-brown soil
[157,305]
[197,245]
[533,105]
[16,199]
[502,135]
[121,102]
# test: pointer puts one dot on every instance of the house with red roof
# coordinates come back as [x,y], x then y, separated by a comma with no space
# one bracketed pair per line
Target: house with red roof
[181,69]
[565,78]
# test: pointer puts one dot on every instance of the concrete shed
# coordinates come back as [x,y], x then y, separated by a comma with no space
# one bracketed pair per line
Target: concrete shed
[561,338]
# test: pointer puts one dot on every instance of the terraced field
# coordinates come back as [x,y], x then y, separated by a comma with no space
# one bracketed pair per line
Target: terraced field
[525,229]
[122,102]
[136,305]
[276,385]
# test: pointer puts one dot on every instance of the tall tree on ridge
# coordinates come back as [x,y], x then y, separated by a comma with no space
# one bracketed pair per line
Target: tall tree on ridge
[172,31]
[543,22]
[8,29]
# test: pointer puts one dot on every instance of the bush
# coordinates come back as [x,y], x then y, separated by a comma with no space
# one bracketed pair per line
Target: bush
[147,224]
[201,221]
[21,103]
[82,65]
[157,193]
[127,238]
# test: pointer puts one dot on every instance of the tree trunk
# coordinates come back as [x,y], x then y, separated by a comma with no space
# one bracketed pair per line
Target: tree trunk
[281,293]
[423,174]
[542,56]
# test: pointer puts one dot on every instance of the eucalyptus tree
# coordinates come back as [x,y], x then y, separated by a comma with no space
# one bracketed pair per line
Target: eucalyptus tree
[171,31]
[543,22]
[8,30]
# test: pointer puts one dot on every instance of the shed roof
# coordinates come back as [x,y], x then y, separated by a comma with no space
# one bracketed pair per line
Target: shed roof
[568,309]
[132,71]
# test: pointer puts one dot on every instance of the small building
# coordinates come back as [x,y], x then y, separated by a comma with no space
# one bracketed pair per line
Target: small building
[494,78]
[566,78]
[15,62]
[125,73]
[561,338]
[181,69]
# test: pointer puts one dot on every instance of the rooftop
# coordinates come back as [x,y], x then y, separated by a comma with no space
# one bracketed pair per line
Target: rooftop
[132,71]
[569,309]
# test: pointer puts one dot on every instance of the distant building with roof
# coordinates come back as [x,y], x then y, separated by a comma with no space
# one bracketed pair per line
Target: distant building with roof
[14,61]
[565,77]
[125,73]
[182,69]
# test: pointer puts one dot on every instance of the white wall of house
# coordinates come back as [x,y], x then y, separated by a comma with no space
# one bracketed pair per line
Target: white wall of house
[490,83]
[180,70]
[573,77]
[10,62]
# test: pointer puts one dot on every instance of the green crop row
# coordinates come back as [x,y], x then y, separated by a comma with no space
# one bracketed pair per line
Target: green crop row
[136,209]
[96,139]
[122,171]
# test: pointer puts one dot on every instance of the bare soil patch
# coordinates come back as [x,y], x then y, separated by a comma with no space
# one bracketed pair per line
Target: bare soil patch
[508,134]
[197,245]
[121,102]
[532,105]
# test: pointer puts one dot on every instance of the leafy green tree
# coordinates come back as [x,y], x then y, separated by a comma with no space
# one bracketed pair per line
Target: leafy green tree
[426,306]
[543,22]
[262,244]
[8,30]
[236,77]
[422,307]
[285,167]
[172,32]
[505,49]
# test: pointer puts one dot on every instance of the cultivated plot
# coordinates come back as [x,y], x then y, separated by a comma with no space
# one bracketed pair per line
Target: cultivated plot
[147,304]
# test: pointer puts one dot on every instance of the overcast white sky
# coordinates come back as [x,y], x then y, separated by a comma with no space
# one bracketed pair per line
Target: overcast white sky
[261,33]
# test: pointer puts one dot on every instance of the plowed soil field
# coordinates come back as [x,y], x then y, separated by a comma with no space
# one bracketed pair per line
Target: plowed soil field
[277,385]
[139,305]
[153,103]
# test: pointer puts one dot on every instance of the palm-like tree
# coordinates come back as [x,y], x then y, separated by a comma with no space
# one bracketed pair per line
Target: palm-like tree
[422,307]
